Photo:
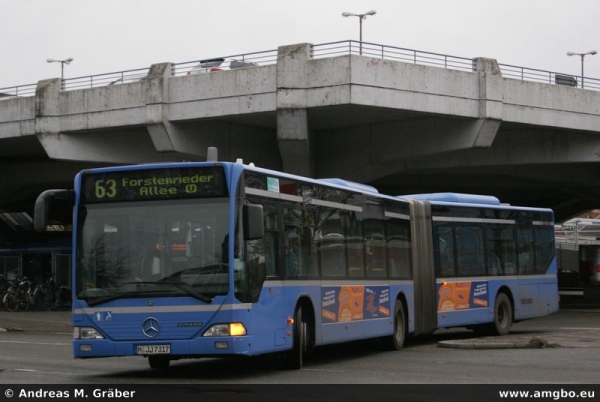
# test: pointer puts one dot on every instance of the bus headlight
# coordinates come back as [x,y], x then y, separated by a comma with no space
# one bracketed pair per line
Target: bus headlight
[86,333]
[231,329]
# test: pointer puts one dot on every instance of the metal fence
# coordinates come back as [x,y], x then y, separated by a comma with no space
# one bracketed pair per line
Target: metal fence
[225,63]
[549,77]
[101,80]
[577,231]
[20,90]
[392,53]
[318,51]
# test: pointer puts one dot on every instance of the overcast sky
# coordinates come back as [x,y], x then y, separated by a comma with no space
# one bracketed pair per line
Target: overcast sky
[113,35]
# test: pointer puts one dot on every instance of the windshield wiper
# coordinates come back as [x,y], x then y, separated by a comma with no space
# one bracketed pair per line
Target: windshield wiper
[127,295]
[179,285]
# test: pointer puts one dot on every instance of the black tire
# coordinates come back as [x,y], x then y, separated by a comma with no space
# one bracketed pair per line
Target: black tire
[13,303]
[396,340]
[294,358]
[503,315]
[159,362]
[9,303]
[24,304]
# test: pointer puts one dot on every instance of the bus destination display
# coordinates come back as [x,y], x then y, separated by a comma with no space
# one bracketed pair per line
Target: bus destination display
[153,184]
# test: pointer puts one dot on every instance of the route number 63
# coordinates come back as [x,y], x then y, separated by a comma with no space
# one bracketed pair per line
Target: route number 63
[106,188]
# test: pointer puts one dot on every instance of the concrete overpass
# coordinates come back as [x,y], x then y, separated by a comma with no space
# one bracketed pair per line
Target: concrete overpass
[454,125]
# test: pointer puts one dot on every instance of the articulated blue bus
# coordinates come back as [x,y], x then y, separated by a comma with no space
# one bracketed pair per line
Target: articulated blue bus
[196,259]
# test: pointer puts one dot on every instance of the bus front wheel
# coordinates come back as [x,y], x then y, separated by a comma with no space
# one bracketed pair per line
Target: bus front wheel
[294,358]
[159,362]
[396,341]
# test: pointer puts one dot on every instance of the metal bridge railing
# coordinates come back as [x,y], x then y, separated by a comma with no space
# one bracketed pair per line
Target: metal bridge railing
[20,90]
[225,63]
[549,77]
[392,53]
[318,51]
[101,80]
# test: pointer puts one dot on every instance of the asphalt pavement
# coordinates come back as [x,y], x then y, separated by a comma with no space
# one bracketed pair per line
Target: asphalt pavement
[577,325]
[36,321]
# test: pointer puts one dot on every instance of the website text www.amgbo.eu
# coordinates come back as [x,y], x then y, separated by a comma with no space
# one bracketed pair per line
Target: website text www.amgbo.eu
[554,395]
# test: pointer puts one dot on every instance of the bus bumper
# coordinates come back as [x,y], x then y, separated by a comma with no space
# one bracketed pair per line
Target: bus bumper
[203,346]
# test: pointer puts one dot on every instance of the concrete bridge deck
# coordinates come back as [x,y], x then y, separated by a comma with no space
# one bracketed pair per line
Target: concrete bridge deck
[402,127]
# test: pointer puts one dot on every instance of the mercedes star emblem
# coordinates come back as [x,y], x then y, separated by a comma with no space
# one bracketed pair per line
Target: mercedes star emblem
[151,327]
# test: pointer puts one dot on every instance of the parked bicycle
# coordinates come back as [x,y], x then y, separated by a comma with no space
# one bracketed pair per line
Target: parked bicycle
[23,294]
[17,295]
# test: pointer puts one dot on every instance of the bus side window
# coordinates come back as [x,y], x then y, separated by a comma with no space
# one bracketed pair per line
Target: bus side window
[330,239]
[375,248]
[354,247]
[398,248]
[444,251]
[295,262]
[500,249]
[470,256]
[544,248]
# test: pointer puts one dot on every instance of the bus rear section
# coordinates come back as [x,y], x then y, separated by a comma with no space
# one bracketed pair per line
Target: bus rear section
[495,264]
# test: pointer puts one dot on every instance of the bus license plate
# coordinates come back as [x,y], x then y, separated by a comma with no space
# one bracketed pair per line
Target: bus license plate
[153,349]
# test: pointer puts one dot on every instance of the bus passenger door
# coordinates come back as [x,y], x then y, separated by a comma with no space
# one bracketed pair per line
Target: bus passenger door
[265,288]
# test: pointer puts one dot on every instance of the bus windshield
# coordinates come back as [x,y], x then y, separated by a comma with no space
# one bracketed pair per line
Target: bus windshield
[152,249]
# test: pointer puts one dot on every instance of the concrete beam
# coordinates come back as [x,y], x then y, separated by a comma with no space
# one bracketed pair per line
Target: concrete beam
[294,136]
[490,101]
[368,152]
[518,147]
[114,146]
[295,140]
[47,103]
[166,137]
[157,98]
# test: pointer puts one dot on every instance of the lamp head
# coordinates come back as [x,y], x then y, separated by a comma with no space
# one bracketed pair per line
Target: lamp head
[69,60]
[372,12]
[346,14]
[593,52]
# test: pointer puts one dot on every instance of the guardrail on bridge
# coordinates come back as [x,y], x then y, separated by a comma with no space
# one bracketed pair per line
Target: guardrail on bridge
[318,51]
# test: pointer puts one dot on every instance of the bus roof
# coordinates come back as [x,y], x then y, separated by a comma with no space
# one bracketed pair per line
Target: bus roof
[358,186]
[455,197]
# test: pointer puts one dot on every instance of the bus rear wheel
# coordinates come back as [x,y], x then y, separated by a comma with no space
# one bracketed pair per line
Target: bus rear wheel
[503,315]
[159,362]
[396,340]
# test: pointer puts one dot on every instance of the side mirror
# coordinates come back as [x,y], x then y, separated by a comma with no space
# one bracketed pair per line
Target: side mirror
[253,222]
[51,207]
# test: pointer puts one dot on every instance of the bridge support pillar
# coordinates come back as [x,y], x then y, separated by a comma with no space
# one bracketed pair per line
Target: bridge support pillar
[47,114]
[490,101]
[294,136]
[166,136]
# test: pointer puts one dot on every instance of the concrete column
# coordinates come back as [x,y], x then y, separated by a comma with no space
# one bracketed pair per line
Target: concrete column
[170,137]
[294,137]
[157,99]
[47,110]
[47,117]
[490,101]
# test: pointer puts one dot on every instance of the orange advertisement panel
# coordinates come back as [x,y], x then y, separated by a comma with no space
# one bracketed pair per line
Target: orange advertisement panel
[455,296]
[354,303]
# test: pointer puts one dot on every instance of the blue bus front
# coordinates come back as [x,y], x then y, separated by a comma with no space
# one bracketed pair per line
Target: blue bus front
[151,266]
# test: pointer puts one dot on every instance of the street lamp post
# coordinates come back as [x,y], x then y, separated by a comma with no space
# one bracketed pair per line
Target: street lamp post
[361,17]
[62,65]
[593,52]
